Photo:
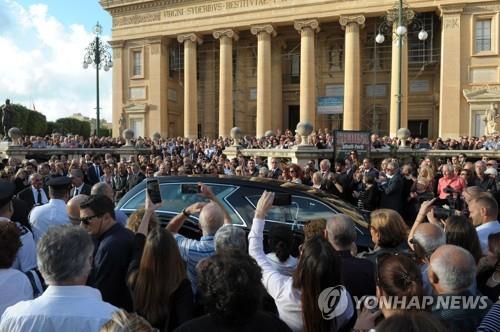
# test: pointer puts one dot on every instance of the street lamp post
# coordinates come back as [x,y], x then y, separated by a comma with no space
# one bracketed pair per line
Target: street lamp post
[98,53]
[400,16]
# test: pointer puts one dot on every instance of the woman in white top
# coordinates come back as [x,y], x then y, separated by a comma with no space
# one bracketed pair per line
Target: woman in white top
[296,173]
[14,285]
[316,280]
[280,243]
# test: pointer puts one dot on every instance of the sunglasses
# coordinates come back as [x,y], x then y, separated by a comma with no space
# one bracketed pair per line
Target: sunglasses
[86,220]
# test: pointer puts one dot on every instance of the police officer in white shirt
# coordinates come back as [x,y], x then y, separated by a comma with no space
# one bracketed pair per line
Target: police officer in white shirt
[26,256]
[53,213]
[65,260]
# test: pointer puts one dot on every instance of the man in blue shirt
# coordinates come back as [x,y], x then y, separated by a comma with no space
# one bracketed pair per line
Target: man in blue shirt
[212,217]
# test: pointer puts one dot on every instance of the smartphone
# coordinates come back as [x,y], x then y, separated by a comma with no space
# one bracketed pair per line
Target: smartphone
[190,188]
[281,199]
[153,187]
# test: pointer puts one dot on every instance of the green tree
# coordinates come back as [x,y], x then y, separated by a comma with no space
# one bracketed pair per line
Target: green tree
[73,126]
[30,122]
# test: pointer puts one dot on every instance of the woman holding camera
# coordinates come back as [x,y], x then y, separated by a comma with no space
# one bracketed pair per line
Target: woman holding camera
[450,183]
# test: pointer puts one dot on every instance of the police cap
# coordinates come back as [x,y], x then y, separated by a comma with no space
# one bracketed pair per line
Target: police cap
[7,190]
[60,182]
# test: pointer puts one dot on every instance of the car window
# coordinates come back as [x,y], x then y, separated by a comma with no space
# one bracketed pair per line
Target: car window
[174,201]
[302,210]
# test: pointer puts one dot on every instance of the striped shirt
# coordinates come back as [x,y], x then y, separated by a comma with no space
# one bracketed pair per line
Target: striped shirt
[491,322]
[193,251]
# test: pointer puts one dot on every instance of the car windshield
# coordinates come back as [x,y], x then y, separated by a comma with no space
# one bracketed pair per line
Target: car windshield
[174,201]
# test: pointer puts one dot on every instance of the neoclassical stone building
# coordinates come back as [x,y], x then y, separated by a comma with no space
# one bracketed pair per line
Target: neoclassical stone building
[199,67]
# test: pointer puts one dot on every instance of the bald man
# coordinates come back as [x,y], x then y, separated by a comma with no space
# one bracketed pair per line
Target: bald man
[357,273]
[212,217]
[425,240]
[484,213]
[452,271]
[73,208]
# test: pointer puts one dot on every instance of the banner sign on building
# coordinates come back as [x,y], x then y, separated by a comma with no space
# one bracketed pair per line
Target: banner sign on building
[348,140]
[330,105]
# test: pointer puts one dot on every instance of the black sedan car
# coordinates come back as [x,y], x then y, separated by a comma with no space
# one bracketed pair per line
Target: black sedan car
[239,195]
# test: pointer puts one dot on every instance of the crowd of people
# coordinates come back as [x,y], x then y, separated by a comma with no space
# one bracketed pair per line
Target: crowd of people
[70,262]
[322,139]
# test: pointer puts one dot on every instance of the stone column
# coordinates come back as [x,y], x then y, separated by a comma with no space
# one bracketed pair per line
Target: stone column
[451,67]
[352,72]
[307,30]
[118,101]
[263,33]
[190,41]
[393,122]
[226,37]
[157,117]
[277,84]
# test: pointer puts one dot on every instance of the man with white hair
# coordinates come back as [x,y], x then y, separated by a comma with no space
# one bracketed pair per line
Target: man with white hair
[357,273]
[212,217]
[451,273]
[65,261]
[230,237]
[274,169]
[424,239]
[36,194]
[483,180]
[324,168]
[450,180]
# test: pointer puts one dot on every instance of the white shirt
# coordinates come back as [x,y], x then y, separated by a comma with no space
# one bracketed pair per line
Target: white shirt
[484,230]
[46,216]
[14,287]
[45,200]
[279,286]
[26,255]
[286,268]
[59,308]
[78,190]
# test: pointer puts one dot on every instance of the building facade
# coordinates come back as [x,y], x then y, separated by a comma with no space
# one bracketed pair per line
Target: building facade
[199,67]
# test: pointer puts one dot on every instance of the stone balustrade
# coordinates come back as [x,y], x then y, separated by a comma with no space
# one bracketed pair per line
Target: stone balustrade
[299,155]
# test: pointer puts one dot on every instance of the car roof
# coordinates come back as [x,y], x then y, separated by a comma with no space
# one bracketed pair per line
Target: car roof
[273,185]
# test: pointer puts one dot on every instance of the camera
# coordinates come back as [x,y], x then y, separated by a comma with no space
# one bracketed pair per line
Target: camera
[449,190]
[442,213]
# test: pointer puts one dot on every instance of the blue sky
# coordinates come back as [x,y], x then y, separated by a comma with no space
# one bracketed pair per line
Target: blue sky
[86,12]
[43,44]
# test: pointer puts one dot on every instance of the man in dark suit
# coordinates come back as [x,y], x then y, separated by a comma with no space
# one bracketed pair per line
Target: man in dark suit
[135,177]
[274,169]
[79,187]
[357,273]
[95,172]
[369,169]
[392,189]
[36,194]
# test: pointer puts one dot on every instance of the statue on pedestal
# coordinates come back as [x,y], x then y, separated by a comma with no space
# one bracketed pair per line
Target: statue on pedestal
[122,123]
[7,117]
[490,119]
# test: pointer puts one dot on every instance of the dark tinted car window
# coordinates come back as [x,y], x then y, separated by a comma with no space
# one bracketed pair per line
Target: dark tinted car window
[174,201]
[302,210]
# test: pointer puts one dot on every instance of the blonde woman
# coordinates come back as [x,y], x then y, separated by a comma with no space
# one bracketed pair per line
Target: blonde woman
[425,180]
[389,234]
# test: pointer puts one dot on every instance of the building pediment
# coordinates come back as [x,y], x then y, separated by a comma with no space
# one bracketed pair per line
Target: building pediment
[481,95]
[136,108]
